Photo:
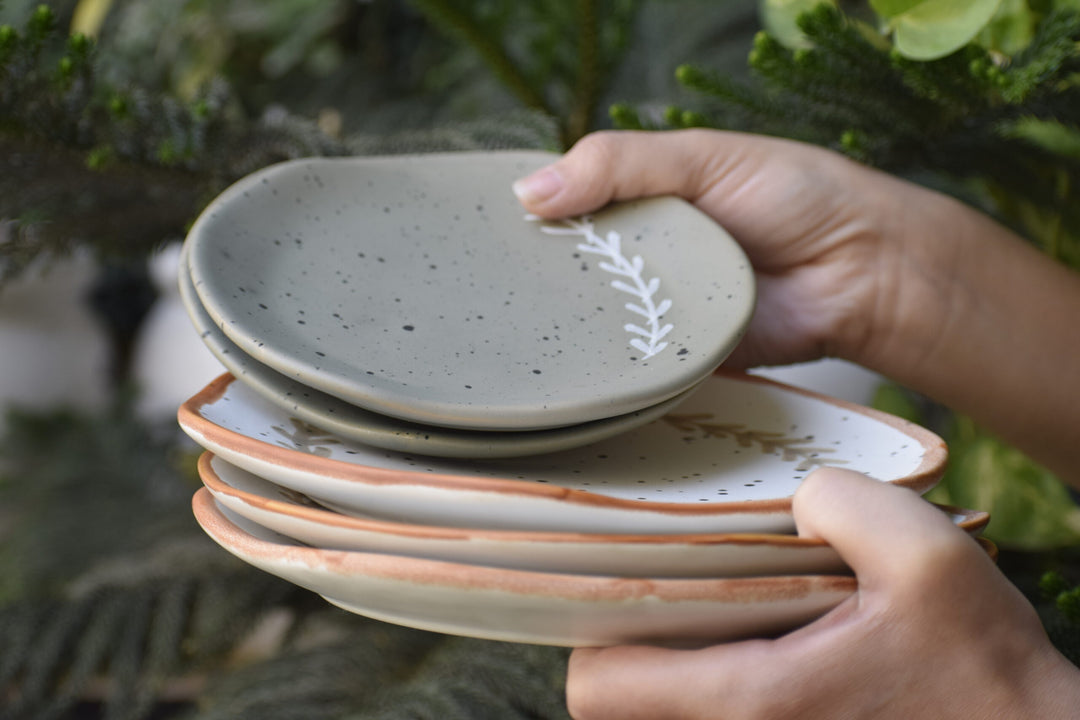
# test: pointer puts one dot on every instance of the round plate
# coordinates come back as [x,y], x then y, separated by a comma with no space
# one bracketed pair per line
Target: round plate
[415,287]
[351,422]
[698,555]
[727,460]
[525,606]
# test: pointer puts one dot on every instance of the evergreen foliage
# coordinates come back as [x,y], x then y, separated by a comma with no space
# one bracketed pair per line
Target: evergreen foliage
[1000,132]
[553,56]
[108,590]
[125,169]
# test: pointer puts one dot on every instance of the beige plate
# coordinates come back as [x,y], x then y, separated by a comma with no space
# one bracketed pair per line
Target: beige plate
[524,606]
[727,460]
[532,607]
[706,555]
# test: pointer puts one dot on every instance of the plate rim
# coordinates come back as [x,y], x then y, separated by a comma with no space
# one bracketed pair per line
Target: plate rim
[971,522]
[466,576]
[380,400]
[924,477]
[391,433]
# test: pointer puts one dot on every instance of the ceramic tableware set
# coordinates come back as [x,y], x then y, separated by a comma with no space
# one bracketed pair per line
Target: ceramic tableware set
[443,413]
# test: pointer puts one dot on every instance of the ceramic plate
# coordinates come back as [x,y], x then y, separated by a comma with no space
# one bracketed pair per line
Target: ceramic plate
[415,287]
[524,606]
[702,555]
[354,423]
[727,460]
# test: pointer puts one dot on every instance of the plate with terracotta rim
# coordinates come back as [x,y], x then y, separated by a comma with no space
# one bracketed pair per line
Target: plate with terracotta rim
[354,423]
[727,460]
[415,286]
[699,555]
[526,606]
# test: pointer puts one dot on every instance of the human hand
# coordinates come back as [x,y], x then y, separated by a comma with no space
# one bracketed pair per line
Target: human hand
[820,230]
[857,264]
[934,631]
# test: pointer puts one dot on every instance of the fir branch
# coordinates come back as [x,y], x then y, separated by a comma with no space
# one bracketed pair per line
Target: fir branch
[1051,54]
[135,636]
[588,72]
[950,122]
[840,95]
[466,679]
[459,23]
[331,679]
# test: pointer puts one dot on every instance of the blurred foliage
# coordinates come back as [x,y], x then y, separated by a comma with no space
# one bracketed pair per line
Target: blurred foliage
[1030,509]
[999,132]
[984,105]
[120,119]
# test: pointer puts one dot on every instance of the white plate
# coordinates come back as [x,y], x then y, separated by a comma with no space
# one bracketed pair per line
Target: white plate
[702,555]
[413,286]
[354,423]
[728,460]
[530,607]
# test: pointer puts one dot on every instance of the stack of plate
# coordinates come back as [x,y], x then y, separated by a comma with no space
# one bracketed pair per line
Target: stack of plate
[447,415]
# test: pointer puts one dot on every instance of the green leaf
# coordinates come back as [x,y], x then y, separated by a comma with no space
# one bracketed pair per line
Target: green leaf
[936,28]
[892,8]
[1049,135]
[1011,28]
[779,18]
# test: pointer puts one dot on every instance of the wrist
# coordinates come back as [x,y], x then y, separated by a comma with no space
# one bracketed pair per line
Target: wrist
[971,315]
[1049,689]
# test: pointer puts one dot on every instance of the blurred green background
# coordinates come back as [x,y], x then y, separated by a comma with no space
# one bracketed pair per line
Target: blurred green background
[121,119]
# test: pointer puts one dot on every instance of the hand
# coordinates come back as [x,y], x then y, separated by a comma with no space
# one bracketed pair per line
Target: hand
[934,631]
[857,264]
[813,224]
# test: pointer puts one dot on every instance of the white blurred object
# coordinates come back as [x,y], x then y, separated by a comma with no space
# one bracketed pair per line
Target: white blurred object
[170,362]
[832,377]
[53,352]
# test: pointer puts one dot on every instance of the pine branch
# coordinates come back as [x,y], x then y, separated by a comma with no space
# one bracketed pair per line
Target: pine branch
[456,21]
[588,72]
[331,679]
[136,635]
[1051,55]
[957,121]
[478,680]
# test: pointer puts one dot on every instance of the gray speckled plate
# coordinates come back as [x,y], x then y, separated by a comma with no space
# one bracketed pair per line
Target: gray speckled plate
[414,287]
[349,421]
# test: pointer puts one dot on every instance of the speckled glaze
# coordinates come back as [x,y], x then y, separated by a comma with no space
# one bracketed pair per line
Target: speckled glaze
[701,555]
[727,460]
[525,606]
[382,431]
[415,287]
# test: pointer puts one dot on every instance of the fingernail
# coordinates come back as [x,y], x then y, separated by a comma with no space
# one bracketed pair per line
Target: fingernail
[538,187]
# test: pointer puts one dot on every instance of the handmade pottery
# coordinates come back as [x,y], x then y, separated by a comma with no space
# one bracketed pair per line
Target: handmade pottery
[525,606]
[382,431]
[415,287]
[699,555]
[349,421]
[727,460]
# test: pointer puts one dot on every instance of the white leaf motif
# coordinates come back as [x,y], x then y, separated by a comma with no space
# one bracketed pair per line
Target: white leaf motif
[650,336]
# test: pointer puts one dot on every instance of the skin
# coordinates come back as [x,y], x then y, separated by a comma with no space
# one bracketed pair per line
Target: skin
[857,264]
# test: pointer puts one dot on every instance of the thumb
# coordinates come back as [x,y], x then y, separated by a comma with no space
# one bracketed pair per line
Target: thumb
[622,165]
[884,532]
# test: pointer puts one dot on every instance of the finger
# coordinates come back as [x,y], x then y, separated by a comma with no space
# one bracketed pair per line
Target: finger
[651,683]
[619,165]
[884,532]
